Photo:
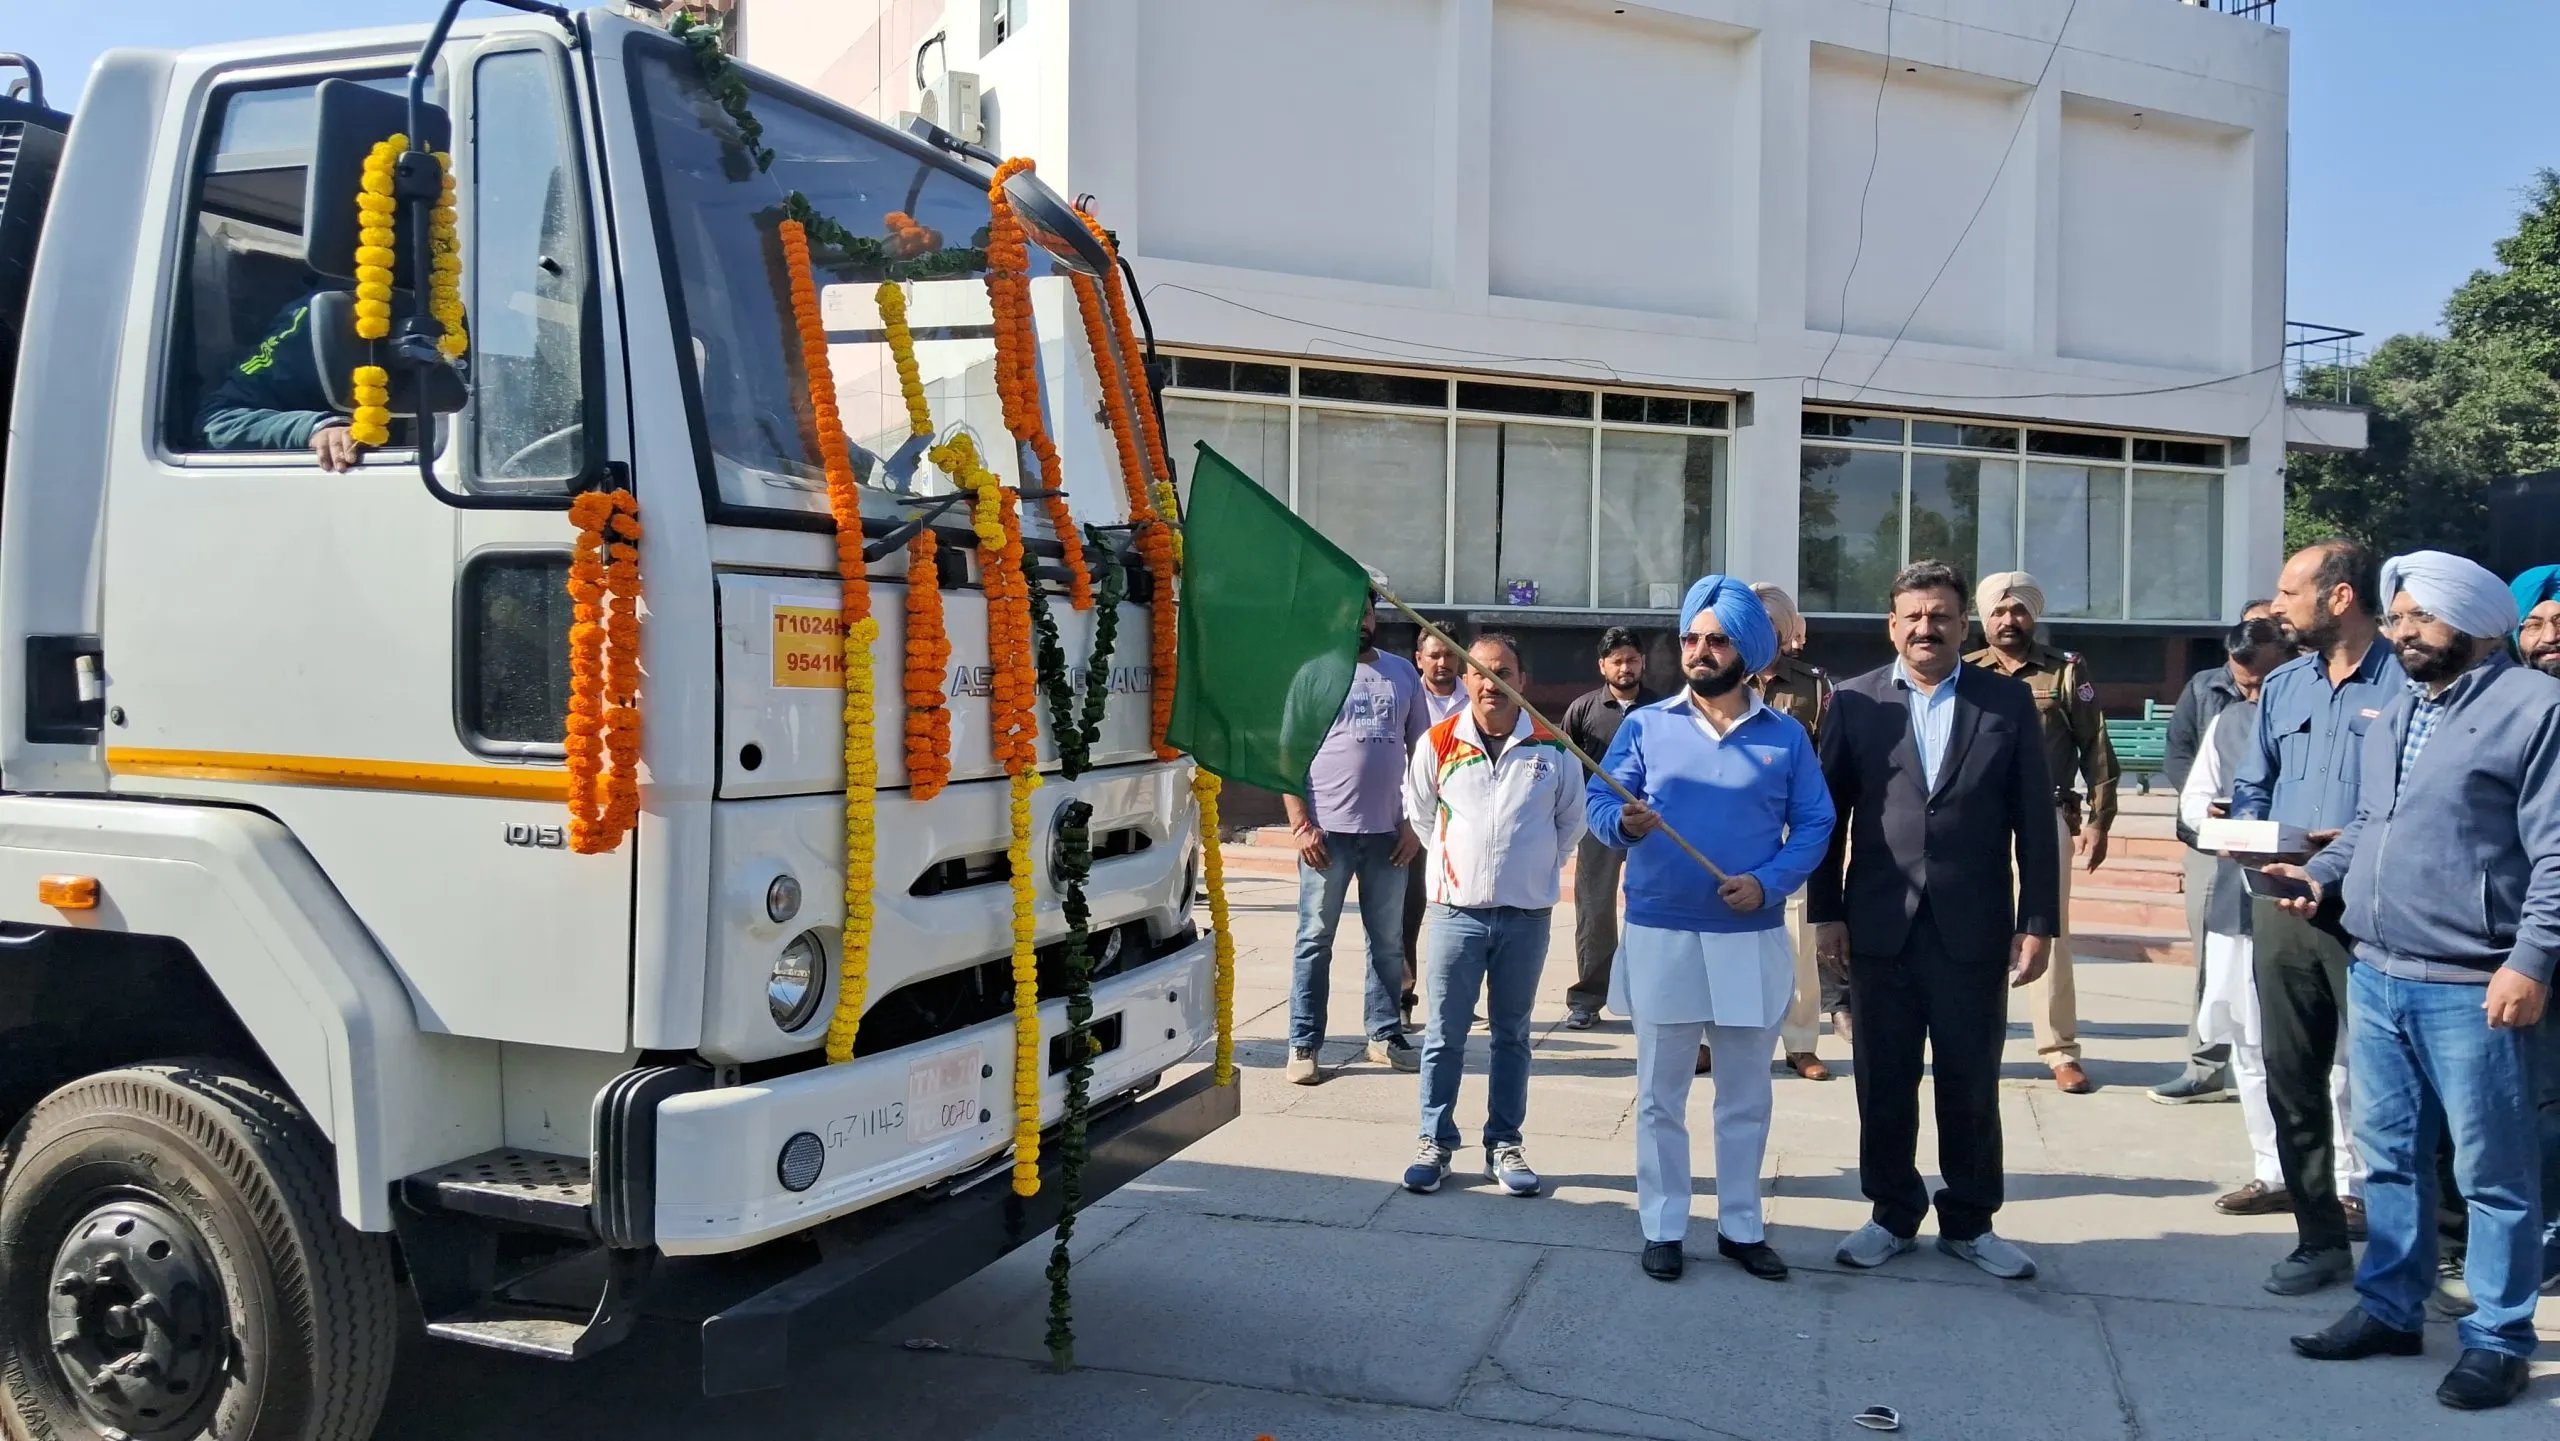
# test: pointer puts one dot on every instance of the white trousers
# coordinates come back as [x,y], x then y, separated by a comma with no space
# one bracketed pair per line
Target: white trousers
[1666,1061]
[2249,1073]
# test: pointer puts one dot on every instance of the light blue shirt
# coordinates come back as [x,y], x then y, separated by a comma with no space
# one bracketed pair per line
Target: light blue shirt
[1933,717]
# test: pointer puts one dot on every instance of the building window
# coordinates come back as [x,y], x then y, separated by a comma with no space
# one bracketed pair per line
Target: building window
[2108,541]
[1475,492]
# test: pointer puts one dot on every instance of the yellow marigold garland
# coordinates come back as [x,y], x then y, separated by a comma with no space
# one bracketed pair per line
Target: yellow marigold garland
[377,239]
[861,632]
[902,348]
[1015,725]
[1205,788]
[444,249]
[603,741]
[1027,1060]
[1018,371]
[928,722]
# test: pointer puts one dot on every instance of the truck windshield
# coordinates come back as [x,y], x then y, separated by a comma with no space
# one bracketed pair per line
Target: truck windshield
[721,218]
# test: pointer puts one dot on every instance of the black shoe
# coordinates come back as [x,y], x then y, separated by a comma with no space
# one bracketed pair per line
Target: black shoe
[1663,1261]
[1757,1257]
[2484,1380]
[2356,1335]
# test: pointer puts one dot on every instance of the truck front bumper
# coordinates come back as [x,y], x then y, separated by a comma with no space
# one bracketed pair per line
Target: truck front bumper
[870,1130]
[880,1263]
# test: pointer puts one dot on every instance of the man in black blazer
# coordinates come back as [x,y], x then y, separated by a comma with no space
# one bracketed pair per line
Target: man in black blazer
[1938,775]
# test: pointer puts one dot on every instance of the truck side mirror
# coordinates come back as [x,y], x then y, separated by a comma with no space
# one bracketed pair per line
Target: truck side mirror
[352,119]
[339,350]
[1055,225]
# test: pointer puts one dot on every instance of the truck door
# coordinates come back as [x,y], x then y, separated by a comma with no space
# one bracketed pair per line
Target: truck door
[376,659]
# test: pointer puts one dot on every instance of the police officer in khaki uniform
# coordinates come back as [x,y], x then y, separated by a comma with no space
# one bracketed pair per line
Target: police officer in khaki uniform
[1798,688]
[2075,738]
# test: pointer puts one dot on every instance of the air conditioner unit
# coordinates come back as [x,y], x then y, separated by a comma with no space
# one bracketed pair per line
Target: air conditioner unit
[951,101]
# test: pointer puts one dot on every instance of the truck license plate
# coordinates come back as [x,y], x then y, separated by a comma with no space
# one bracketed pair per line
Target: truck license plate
[942,1095]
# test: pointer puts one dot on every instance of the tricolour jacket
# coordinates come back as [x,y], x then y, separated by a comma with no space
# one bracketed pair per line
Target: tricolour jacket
[1498,830]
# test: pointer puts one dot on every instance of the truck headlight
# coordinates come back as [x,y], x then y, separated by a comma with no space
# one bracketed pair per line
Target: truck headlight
[796,983]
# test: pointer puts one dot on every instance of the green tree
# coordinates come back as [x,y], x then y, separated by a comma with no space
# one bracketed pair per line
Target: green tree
[2450,415]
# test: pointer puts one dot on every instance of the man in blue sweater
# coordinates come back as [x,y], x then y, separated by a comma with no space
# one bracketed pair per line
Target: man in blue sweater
[1703,959]
[2450,878]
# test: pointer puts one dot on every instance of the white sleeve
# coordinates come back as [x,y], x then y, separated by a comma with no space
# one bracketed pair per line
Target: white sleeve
[2204,780]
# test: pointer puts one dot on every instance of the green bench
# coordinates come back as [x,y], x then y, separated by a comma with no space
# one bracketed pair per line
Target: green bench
[2141,745]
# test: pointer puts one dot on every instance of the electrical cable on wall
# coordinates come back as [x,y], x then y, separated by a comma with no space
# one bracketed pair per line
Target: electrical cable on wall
[1875,152]
[2024,111]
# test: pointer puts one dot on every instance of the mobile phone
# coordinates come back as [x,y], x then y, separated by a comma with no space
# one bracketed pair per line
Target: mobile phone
[2275,888]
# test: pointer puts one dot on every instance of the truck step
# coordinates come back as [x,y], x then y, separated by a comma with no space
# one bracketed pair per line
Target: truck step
[546,1316]
[524,1188]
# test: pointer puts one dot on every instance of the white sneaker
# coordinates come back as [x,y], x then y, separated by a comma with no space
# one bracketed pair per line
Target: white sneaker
[1509,1166]
[1993,1255]
[1870,1246]
[1302,1066]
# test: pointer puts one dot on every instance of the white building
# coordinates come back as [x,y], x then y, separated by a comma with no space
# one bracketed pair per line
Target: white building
[1548,306]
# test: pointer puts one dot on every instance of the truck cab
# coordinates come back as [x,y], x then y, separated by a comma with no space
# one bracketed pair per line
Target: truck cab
[289,927]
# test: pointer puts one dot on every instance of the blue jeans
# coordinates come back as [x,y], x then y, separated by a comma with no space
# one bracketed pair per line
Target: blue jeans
[1320,896]
[2425,1062]
[1496,951]
[2547,1069]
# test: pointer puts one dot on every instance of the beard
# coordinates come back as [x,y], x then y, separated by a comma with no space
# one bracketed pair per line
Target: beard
[1710,684]
[2546,659]
[2434,665]
[2316,636]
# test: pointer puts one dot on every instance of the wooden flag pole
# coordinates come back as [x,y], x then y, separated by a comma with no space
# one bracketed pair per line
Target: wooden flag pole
[1479,667]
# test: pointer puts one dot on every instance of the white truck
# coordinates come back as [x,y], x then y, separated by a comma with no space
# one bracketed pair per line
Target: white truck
[304,1002]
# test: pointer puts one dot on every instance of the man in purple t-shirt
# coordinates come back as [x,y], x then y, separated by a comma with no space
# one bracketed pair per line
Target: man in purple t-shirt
[1350,826]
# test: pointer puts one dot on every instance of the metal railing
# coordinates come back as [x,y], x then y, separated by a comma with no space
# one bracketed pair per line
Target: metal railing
[2323,362]
[2250,9]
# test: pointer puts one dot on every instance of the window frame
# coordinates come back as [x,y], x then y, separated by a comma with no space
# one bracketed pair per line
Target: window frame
[1295,403]
[467,649]
[2021,457]
[463,436]
[451,86]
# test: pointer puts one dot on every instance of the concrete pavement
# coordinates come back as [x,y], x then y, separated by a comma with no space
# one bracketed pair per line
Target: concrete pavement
[1275,1281]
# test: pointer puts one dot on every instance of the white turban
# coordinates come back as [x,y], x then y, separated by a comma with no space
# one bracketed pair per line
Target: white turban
[2001,585]
[1782,613]
[2456,591]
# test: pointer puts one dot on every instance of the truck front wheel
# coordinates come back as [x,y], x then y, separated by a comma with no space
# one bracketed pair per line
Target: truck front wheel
[172,1265]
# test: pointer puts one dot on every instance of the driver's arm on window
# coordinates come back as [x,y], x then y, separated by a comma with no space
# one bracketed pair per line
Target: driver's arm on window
[272,399]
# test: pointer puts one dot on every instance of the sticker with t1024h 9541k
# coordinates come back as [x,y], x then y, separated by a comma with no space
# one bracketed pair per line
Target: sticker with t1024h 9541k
[808,644]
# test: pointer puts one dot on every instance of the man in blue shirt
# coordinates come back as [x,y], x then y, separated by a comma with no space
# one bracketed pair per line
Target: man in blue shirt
[2302,770]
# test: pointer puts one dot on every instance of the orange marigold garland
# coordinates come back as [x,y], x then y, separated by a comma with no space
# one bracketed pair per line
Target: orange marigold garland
[861,631]
[928,663]
[603,741]
[1018,371]
[1159,538]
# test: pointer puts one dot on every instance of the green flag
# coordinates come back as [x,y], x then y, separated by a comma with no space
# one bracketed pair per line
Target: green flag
[1270,632]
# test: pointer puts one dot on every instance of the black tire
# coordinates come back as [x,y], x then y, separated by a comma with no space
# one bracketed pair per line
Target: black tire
[291,1338]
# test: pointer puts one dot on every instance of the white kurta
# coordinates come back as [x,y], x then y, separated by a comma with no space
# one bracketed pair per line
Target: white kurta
[1716,978]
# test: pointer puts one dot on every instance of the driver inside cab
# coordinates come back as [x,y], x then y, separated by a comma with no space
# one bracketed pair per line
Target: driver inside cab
[273,400]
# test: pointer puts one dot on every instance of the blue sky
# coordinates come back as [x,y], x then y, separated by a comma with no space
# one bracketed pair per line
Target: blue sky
[2414,125]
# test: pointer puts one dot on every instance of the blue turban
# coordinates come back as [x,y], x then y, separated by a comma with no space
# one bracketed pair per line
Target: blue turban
[1741,614]
[2459,592]
[2534,587]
